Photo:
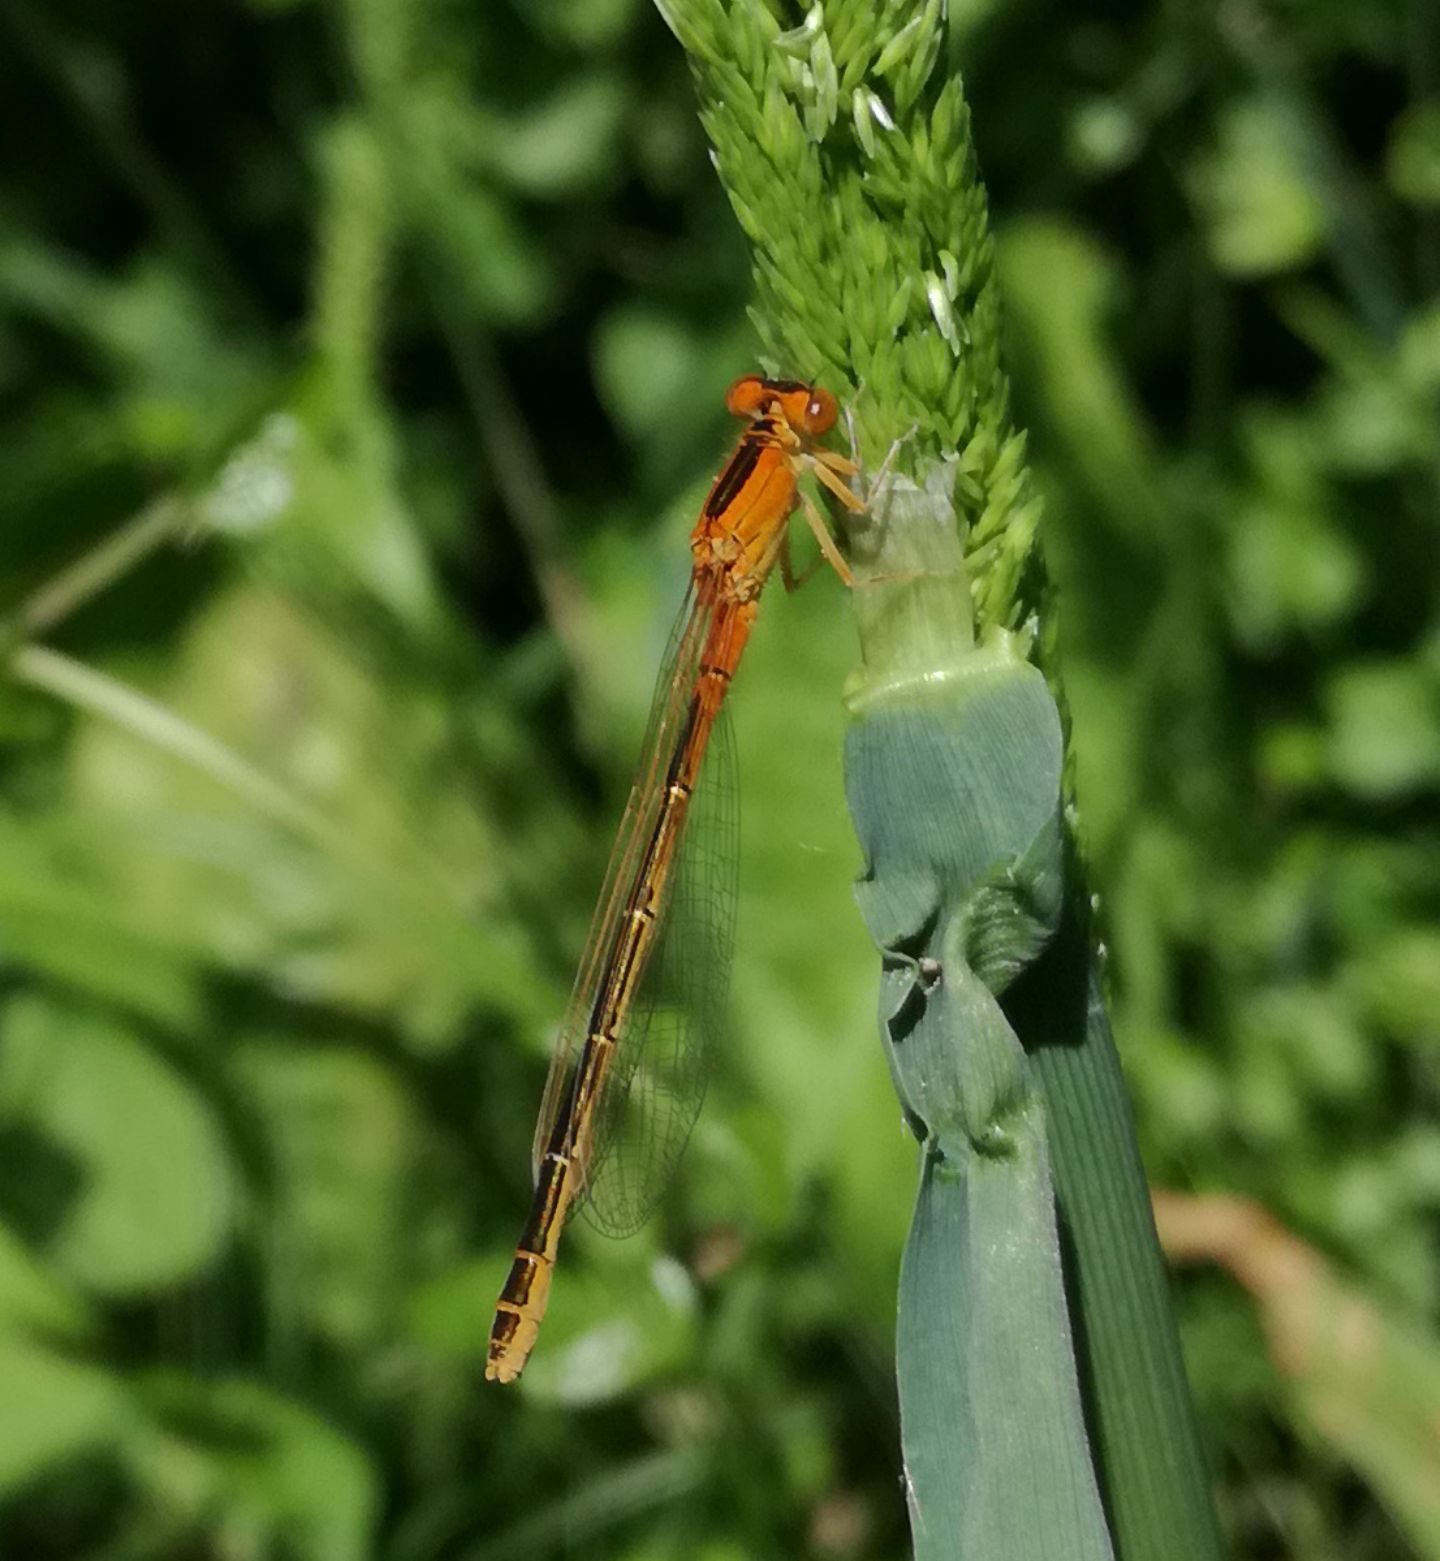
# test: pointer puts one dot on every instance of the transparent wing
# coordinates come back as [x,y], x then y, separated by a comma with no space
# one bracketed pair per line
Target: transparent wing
[656,1078]
[662,1063]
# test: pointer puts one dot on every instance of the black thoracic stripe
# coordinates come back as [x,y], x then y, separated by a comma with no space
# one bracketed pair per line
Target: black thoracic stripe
[742,464]
[786,387]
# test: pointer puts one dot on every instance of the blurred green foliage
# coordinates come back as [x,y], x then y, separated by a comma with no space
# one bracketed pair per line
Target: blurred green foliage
[410,322]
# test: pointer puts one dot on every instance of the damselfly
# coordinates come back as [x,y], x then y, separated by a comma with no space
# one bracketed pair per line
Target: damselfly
[627,1076]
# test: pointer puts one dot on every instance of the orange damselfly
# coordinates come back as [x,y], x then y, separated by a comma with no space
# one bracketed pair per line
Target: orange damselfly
[628,1045]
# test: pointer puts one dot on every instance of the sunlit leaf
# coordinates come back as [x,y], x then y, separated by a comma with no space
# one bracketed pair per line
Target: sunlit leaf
[150,1200]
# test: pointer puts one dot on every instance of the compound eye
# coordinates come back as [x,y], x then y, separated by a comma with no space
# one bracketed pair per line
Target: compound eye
[746,396]
[820,412]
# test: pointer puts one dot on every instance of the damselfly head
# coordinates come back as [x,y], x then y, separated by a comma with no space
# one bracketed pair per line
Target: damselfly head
[807,409]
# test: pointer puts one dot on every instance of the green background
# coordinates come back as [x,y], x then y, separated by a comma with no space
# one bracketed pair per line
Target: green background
[413,321]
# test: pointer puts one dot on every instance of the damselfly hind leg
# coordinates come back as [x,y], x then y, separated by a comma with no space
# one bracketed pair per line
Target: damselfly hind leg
[826,464]
[816,521]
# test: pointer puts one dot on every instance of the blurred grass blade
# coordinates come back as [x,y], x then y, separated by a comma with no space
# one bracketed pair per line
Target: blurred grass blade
[392,893]
[158,523]
[642,1485]
[100,695]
